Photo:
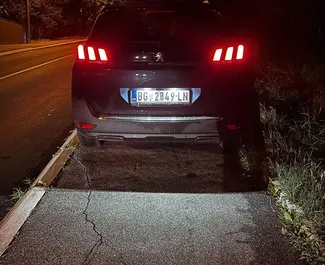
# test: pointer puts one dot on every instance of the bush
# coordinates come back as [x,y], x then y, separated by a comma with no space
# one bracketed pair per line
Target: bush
[293,118]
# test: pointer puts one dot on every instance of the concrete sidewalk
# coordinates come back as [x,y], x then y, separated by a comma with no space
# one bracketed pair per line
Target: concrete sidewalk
[17,48]
[102,227]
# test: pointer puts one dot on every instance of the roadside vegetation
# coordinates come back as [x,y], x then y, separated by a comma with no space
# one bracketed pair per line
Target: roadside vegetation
[17,194]
[293,116]
[55,18]
[292,106]
[291,88]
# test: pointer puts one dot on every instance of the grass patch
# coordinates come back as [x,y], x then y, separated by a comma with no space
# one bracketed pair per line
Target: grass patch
[28,182]
[251,160]
[17,194]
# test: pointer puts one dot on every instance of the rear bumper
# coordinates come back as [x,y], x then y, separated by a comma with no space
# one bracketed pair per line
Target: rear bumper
[205,130]
[123,128]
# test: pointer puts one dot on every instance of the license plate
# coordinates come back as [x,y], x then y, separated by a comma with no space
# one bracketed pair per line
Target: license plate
[160,97]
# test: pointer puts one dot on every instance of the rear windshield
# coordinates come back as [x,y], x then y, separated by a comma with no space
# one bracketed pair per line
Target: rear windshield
[139,24]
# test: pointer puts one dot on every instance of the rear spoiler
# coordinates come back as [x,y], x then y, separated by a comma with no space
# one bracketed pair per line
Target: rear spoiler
[159,4]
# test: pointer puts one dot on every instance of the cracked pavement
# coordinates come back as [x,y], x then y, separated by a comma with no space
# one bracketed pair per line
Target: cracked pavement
[100,241]
[100,237]
[164,205]
[151,228]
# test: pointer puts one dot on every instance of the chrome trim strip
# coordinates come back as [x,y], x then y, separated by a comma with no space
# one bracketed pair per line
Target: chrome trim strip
[161,119]
[163,136]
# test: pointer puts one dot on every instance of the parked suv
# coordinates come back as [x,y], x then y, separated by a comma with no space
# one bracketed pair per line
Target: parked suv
[176,73]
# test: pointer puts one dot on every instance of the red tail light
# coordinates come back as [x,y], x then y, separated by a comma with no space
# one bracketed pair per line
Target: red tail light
[92,54]
[228,54]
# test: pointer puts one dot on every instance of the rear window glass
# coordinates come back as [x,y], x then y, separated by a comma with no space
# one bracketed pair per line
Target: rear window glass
[134,24]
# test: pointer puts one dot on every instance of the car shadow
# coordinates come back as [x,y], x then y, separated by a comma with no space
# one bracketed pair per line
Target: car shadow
[159,168]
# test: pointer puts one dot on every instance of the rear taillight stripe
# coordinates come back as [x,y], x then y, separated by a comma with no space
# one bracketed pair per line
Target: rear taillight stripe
[217,55]
[81,52]
[229,53]
[91,54]
[102,55]
[240,52]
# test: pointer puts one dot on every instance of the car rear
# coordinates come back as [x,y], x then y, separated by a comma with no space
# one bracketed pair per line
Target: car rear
[175,74]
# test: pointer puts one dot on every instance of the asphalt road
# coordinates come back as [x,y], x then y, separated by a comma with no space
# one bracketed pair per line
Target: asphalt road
[35,114]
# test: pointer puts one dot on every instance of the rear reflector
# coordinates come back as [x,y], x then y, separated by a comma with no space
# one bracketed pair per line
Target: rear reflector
[232,127]
[229,53]
[85,126]
[89,53]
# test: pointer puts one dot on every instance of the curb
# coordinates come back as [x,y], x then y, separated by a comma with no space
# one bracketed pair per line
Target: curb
[16,217]
[59,159]
[13,221]
[38,48]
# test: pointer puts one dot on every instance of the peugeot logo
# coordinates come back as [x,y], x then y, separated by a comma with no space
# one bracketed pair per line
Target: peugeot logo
[159,57]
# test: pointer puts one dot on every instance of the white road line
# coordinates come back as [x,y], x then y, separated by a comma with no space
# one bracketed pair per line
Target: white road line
[34,67]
